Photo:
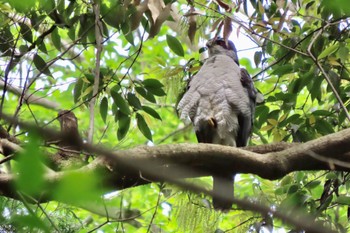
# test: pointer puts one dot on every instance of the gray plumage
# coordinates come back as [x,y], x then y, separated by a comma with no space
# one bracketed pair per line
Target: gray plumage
[220,102]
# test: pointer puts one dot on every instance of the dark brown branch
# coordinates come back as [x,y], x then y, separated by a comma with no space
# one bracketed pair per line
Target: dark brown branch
[137,166]
[141,165]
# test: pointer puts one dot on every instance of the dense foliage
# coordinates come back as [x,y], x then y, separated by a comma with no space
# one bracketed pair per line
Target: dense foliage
[145,51]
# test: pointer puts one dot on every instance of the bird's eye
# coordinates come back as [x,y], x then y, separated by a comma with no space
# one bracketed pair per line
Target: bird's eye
[222,43]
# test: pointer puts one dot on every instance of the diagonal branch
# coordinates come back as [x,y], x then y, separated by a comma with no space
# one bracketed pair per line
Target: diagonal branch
[326,76]
[30,98]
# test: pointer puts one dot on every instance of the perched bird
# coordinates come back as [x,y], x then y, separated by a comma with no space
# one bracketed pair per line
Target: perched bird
[220,101]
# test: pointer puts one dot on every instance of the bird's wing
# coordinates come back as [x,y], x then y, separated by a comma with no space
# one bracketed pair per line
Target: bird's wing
[246,120]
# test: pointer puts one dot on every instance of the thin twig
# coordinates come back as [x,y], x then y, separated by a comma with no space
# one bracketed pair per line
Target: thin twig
[7,72]
[175,132]
[98,35]
[155,210]
[326,76]
[32,212]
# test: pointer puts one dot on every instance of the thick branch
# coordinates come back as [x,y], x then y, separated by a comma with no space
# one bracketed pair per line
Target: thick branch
[123,169]
[141,165]
[128,168]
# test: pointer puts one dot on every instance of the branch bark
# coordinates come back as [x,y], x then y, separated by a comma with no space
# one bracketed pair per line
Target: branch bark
[171,163]
[141,165]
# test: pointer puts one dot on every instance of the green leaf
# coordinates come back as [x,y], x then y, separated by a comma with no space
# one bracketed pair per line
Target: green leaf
[31,223]
[120,102]
[342,199]
[72,33]
[343,53]
[175,45]
[22,6]
[156,91]
[331,175]
[41,46]
[283,69]
[155,83]
[257,58]
[146,94]
[294,119]
[154,86]
[325,204]
[56,39]
[123,123]
[321,112]
[134,101]
[324,127]
[151,112]
[313,184]
[293,188]
[77,90]
[328,51]
[26,32]
[115,88]
[113,15]
[286,180]
[7,40]
[143,127]
[78,187]
[83,29]
[61,6]
[41,65]
[30,168]
[104,109]
[90,77]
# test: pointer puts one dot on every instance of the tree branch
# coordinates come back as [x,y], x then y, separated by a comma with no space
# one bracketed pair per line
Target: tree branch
[95,91]
[31,98]
[171,163]
[141,165]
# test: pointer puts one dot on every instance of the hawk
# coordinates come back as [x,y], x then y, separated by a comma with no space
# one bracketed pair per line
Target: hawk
[220,101]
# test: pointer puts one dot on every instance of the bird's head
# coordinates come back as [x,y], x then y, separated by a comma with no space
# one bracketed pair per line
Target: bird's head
[218,46]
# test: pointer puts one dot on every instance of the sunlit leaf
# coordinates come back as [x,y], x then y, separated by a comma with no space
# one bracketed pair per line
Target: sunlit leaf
[272,122]
[145,94]
[30,168]
[151,112]
[134,101]
[143,127]
[328,51]
[26,32]
[77,89]
[120,102]
[32,222]
[152,83]
[22,6]
[56,39]
[257,58]
[175,45]
[313,184]
[78,187]
[123,125]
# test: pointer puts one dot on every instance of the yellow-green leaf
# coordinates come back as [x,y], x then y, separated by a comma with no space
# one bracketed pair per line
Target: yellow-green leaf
[328,51]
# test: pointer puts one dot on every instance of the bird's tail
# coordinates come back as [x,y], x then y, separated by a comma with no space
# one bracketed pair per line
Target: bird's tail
[206,130]
[223,188]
